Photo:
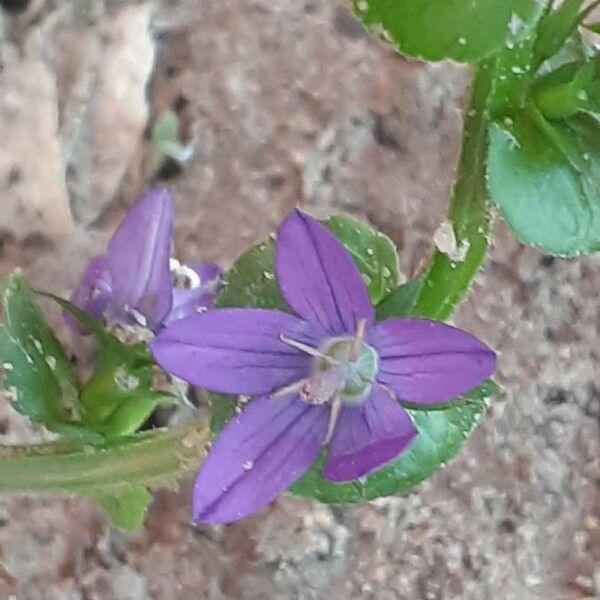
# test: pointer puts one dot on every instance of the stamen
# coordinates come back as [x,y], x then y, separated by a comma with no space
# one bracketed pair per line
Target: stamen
[336,405]
[387,390]
[358,340]
[308,350]
[292,388]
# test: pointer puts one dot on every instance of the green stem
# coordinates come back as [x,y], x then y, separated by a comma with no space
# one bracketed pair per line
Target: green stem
[66,468]
[447,280]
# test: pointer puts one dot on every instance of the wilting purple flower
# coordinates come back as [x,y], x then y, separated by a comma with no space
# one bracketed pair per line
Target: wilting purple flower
[138,281]
[328,376]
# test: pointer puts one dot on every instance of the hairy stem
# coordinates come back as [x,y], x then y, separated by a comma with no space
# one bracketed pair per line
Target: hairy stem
[447,280]
[66,468]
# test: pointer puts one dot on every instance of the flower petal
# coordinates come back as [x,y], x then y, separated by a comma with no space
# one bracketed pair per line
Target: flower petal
[208,272]
[368,436]
[187,301]
[427,362]
[94,292]
[317,276]
[138,257]
[236,350]
[260,454]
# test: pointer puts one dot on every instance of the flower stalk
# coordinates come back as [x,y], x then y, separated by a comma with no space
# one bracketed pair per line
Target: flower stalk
[449,280]
[66,468]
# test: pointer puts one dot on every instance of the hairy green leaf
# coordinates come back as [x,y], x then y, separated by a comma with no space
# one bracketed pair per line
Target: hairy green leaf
[373,252]
[513,75]
[464,30]
[37,373]
[545,178]
[402,301]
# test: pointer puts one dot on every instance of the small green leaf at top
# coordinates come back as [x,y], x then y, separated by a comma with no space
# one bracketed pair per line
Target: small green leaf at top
[36,372]
[545,178]
[463,30]
[402,301]
[564,92]
[442,429]
[556,27]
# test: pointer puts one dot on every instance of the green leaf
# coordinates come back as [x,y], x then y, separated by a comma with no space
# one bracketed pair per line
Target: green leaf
[128,509]
[37,372]
[251,281]
[402,301]
[441,434]
[513,74]
[556,26]
[442,431]
[562,93]
[119,397]
[575,49]
[464,30]
[222,408]
[545,178]
[373,252]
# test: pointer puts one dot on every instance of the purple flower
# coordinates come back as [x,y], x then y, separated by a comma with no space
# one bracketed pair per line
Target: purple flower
[327,376]
[138,281]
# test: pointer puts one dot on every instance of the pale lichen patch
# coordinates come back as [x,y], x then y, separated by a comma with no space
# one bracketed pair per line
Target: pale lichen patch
[445,240]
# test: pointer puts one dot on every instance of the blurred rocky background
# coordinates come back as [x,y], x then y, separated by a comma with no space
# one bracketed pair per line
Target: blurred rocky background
[288,102]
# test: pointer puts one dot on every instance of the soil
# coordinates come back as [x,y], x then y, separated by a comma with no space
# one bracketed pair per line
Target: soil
[289,102]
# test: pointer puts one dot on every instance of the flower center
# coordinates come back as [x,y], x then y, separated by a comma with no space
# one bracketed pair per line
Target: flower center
[356,373]
[344,371]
